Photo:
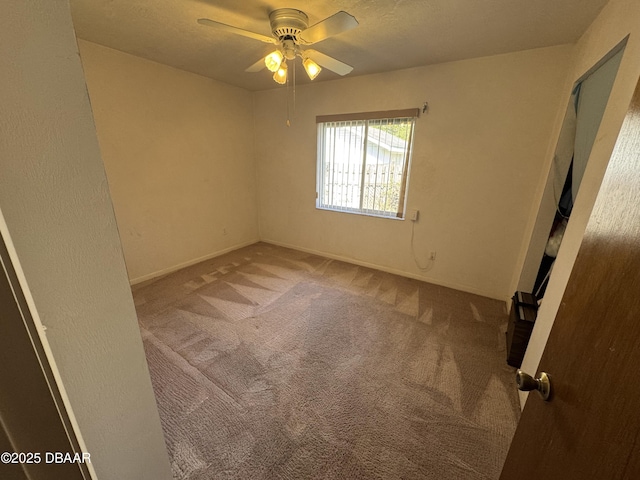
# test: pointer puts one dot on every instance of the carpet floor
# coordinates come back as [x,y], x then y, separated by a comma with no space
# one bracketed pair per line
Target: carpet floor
[270,363]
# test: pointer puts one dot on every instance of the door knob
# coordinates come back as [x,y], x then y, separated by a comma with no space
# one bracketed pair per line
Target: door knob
[542,384]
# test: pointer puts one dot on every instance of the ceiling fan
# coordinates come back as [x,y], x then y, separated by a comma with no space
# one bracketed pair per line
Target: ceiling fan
[291,31]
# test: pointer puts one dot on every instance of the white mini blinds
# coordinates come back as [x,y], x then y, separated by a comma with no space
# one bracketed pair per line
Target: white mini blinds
[363,162]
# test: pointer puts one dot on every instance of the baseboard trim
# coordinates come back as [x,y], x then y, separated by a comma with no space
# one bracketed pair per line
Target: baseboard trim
[165,271]
[402,273]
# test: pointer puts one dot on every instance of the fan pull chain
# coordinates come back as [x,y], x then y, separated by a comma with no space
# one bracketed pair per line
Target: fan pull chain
[290,95]
[287,100]
[294,89]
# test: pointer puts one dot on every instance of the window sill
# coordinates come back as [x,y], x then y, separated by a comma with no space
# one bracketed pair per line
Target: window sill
[356,212]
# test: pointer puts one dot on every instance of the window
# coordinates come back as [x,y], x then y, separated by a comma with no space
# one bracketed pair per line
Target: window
[363,162]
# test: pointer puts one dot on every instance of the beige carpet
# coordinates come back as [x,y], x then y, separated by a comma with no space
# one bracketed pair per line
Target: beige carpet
[269,363]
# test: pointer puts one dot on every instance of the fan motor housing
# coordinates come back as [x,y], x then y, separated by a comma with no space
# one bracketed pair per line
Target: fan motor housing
[288,22]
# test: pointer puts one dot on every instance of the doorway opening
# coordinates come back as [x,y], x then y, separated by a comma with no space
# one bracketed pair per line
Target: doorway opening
[583,115]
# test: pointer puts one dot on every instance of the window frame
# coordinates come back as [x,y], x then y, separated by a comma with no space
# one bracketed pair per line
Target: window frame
[365,117]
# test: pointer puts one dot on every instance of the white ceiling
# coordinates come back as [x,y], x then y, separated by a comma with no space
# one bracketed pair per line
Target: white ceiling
[392,34]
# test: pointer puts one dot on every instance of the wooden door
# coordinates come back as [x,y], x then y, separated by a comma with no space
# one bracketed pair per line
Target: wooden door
[33,422]
[591,427]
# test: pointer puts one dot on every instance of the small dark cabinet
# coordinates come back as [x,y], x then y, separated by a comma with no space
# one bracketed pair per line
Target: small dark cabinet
[522,317]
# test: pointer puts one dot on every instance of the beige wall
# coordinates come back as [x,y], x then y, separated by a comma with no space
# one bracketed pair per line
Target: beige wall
[61,232]
[178,149]
[617,20]
[478,158]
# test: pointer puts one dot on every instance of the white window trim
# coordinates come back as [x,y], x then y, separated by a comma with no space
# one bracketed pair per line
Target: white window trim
[410,114]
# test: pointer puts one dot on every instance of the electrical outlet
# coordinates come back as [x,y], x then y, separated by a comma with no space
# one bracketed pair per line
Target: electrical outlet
[414,215]
[432,255]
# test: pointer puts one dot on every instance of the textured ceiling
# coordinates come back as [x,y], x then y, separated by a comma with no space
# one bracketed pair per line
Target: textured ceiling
[392,34]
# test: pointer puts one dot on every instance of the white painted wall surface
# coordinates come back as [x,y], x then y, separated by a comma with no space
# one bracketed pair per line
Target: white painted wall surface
[617,20]
[478,157]
[57,208]
[178,150]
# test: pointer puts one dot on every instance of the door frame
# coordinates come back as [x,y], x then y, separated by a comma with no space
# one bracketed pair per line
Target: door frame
[41,424]
[590,427]
[548,202]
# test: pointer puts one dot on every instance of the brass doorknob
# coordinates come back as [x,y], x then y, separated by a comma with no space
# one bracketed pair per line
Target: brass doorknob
[527,383]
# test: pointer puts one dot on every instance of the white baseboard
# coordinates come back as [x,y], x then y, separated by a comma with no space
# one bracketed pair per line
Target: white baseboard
[188,263]
[402,273]
[456,286]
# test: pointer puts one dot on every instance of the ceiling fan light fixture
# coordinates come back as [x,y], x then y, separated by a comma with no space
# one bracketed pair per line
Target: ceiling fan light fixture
[311,67]
[274,60]
[280,76]
[290,32]
[289,49]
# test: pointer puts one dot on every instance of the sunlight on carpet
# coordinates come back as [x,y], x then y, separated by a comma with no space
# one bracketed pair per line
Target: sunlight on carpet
[270,363]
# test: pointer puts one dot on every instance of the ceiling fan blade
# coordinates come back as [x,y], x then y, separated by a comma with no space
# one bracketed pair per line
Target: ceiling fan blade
[333,25]
[256,67]
[236,30]
[328,62]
